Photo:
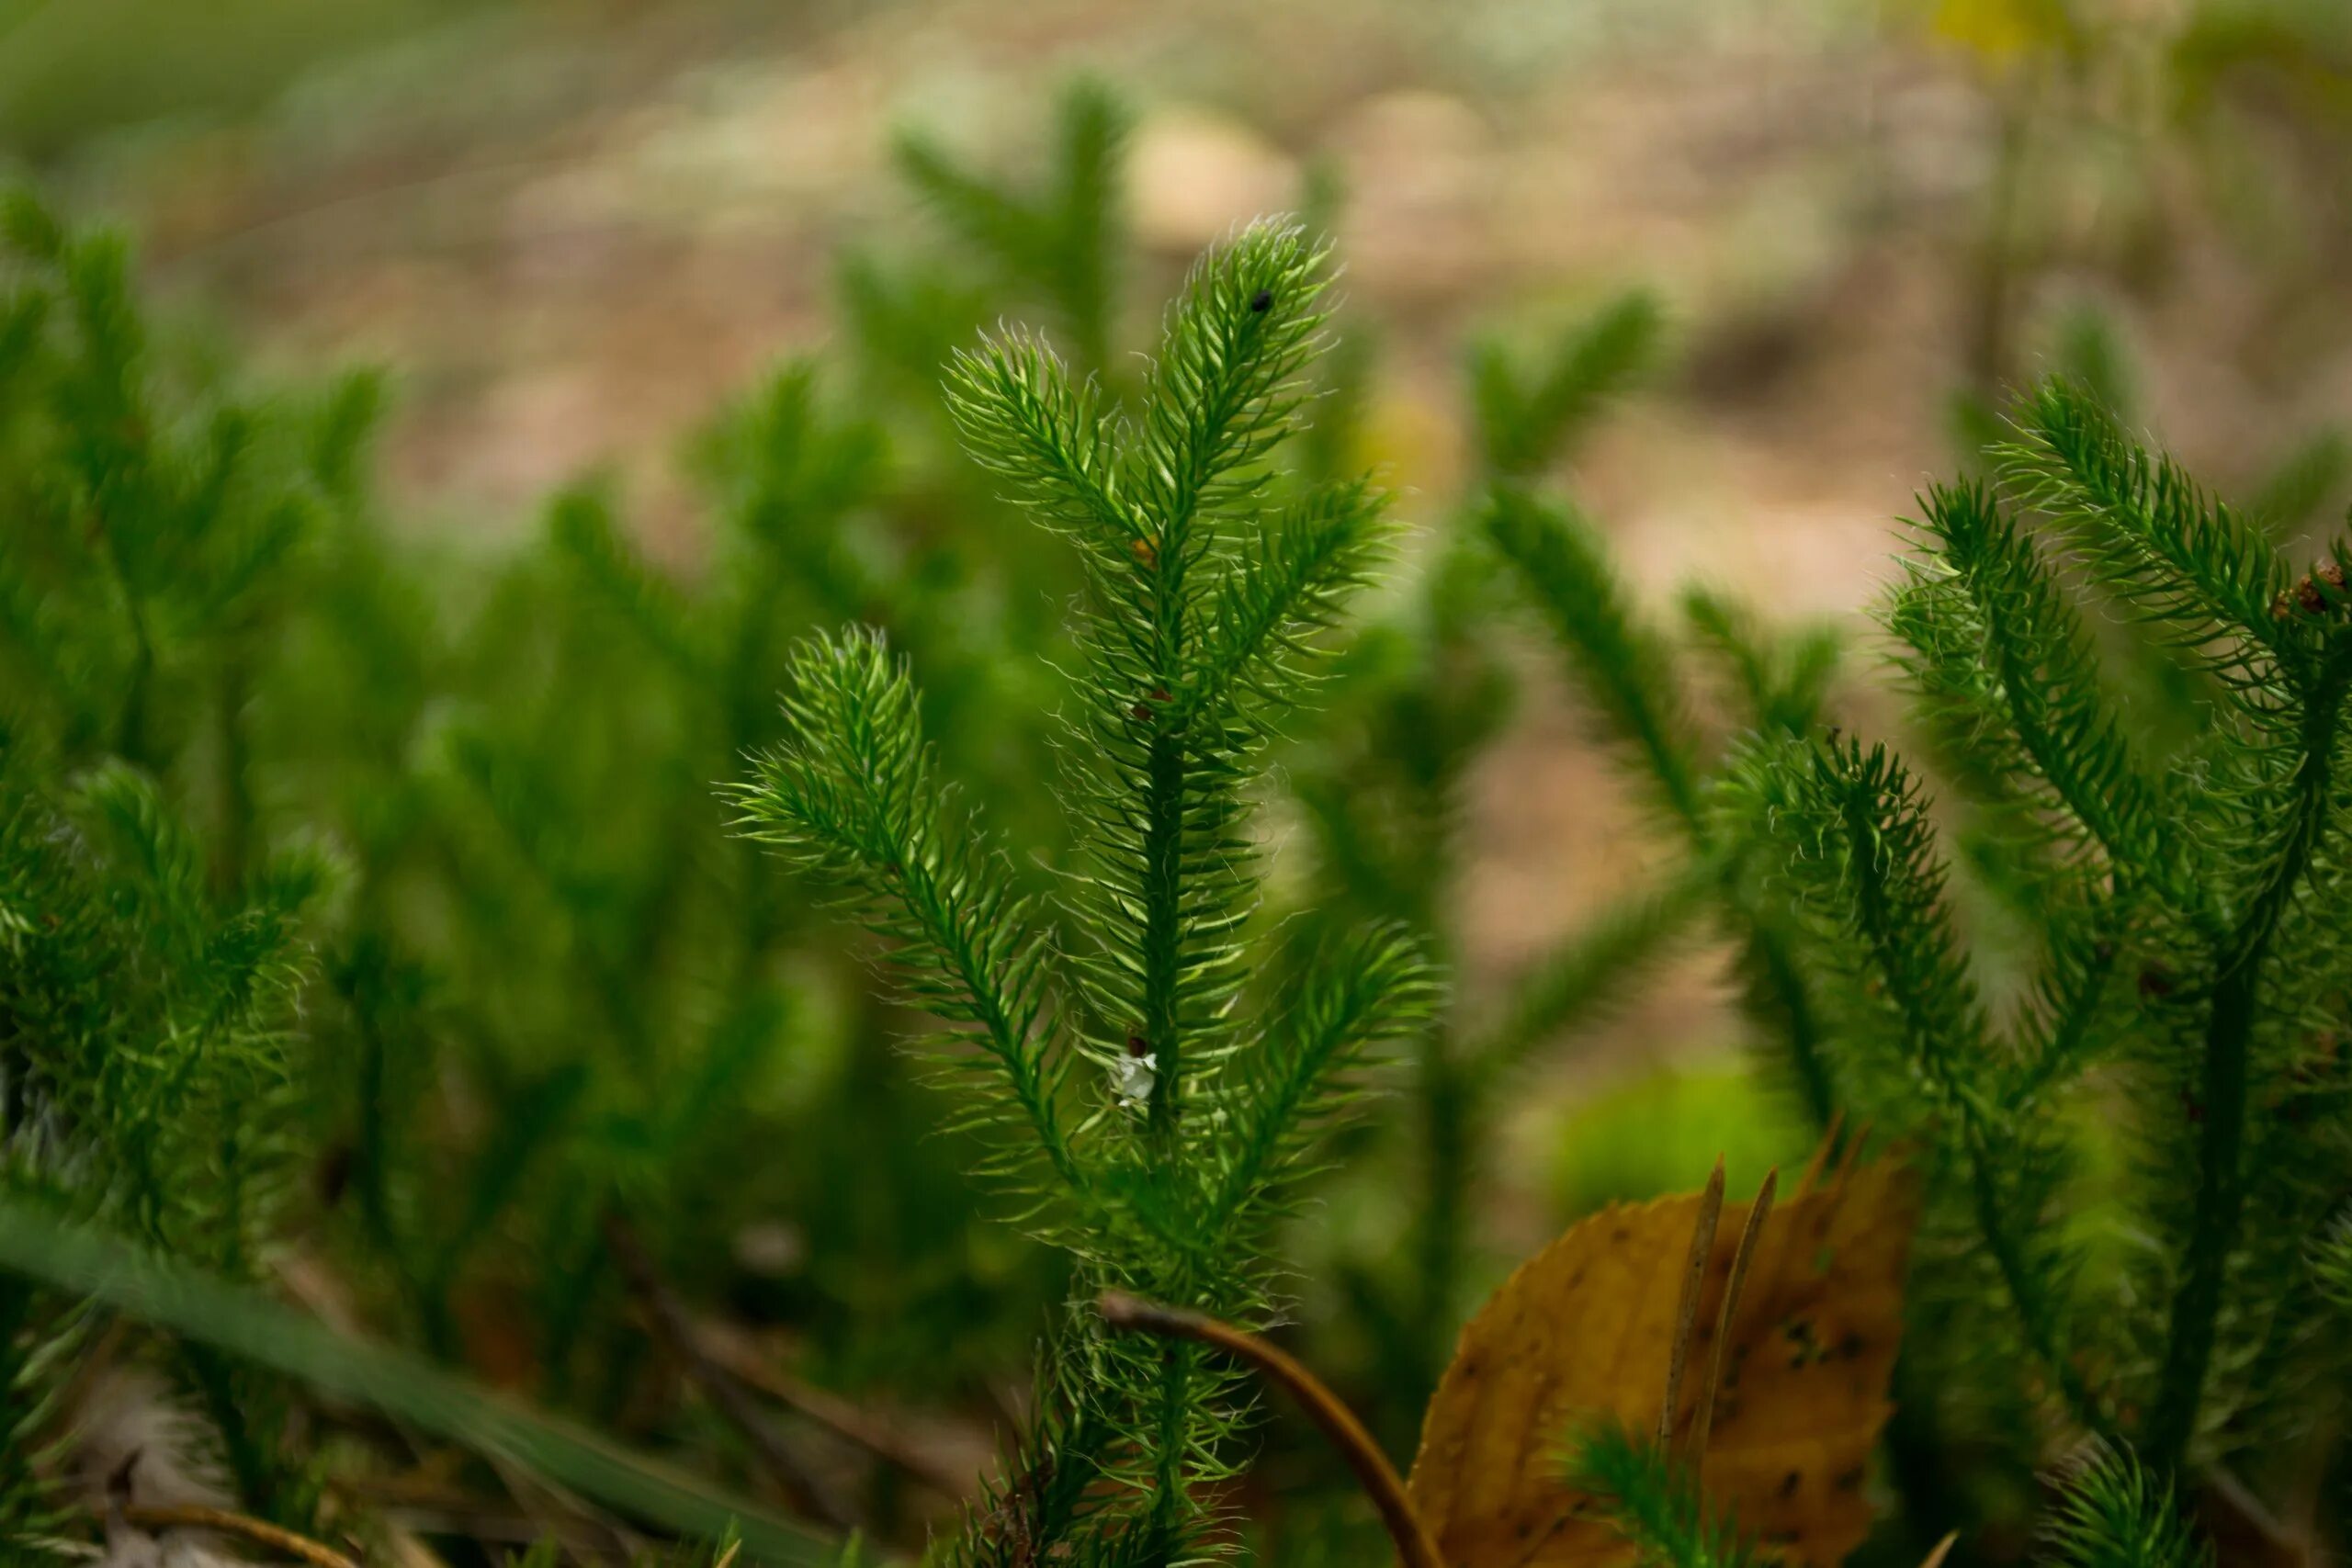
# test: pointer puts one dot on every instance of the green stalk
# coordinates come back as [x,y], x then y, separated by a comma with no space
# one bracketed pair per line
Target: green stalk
[2229,1031]
[2034,1308]
[1163,930]
[1168,1498]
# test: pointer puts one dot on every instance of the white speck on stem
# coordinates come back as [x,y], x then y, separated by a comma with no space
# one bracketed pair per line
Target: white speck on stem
[1134,1077]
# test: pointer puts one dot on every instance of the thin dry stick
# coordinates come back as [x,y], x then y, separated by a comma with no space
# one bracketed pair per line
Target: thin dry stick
[219,1521]
[1131,1314]
[1750,1235]
[667,1316]
[834,1414]
[1943,1549]
[1686,1312]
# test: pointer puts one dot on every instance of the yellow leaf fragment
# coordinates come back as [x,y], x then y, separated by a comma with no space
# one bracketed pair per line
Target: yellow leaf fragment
[1586,1330]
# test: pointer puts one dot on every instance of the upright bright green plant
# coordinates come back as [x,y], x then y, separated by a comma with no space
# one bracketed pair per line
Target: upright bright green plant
[1145,1119]
[2182,954]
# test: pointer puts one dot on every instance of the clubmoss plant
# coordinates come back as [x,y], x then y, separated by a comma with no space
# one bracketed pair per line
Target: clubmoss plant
[2179,964]
[1142,1117]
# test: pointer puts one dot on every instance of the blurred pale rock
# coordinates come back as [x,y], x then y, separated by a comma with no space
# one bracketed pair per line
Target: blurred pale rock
[1420,169]
[1196,175]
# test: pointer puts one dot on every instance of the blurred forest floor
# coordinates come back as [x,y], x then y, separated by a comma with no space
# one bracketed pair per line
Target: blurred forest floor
[570,229]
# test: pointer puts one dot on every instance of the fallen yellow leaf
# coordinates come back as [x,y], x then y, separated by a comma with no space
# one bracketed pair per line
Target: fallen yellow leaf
[1589,1328]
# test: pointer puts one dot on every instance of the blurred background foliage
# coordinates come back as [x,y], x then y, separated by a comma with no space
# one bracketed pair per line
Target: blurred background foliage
[393,707]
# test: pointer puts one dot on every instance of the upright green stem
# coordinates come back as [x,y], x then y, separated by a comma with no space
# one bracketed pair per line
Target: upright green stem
[1168,1499]
[2213,1224]
[2220,1203]
[1163,930]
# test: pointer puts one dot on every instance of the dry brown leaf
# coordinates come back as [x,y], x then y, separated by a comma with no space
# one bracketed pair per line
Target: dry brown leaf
[1585,1330]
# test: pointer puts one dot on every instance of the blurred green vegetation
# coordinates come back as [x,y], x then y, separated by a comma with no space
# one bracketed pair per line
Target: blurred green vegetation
[1643,1138]
[372,918]
[72,71]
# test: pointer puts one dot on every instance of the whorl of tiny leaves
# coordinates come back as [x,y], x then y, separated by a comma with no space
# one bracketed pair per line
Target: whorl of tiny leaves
[2146,528]
[2115,1514]
[1654,1506]
[1996,643]
[852,794]
[1224,386]
[1376,989]
[1860,844]
[1024,416]
[1310,555]
[1625,670]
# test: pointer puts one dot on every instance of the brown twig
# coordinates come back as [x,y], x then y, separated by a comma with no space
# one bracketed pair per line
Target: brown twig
[219,1521]
[669,1322]
[836,1414]
[1686,1310]
[1934,1559]
[1131,1314]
